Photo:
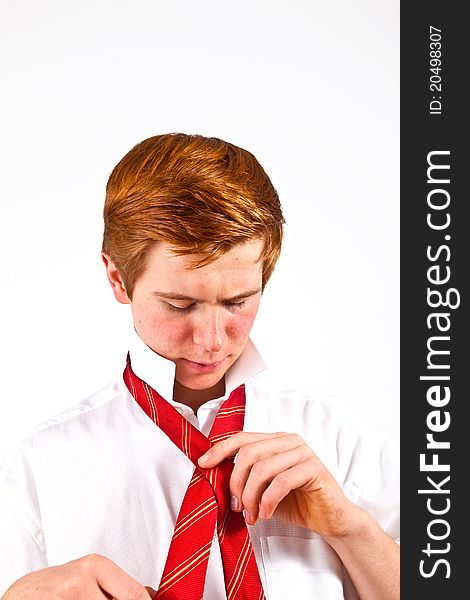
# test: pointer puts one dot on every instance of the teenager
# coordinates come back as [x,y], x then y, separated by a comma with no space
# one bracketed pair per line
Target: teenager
[194,474]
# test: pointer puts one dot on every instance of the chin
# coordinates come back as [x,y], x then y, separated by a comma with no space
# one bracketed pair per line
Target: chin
[199,383]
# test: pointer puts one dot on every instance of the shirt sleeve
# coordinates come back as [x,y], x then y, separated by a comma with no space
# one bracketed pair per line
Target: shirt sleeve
[22,549]
[370,464]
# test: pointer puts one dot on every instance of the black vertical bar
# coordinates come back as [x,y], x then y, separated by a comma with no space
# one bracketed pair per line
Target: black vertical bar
[435,258]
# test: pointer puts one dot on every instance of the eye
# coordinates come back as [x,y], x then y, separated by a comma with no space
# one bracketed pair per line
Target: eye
[182,310]
[235,305]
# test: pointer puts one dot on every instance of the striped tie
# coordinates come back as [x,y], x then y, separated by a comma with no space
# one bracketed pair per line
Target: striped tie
[205,505]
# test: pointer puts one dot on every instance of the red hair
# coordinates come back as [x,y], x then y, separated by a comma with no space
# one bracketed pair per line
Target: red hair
[201,195]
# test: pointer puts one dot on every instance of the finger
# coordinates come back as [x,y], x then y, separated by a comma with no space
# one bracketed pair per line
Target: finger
[296,477]
[255,452]
[112,579]
[263,472]
[231,446]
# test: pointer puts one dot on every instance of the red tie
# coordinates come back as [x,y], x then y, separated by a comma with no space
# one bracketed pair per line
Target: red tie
[205,504]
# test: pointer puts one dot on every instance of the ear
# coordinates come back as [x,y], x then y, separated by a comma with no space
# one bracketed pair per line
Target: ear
[115,280]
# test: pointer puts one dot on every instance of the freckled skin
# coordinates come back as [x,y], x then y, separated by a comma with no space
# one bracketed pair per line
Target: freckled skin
[211,330]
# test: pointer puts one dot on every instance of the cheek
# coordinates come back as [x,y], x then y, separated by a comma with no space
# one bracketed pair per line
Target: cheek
[171,329]
[240,326]
[161,331]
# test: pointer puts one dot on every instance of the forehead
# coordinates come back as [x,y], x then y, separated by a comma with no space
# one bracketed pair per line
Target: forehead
[239,267]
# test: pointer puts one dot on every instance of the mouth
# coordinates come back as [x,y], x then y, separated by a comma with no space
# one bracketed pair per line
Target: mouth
[203,367]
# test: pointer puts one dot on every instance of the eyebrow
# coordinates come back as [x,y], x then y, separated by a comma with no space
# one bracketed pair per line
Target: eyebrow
[173,296]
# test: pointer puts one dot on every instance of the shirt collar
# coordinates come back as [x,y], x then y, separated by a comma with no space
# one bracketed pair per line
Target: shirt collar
[159,372]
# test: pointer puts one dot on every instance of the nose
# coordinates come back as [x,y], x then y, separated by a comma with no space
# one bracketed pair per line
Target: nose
[208,329]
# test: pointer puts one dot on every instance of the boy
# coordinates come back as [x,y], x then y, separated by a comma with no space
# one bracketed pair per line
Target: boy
[192,474]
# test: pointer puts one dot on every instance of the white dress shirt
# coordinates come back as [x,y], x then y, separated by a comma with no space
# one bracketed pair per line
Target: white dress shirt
[102,478]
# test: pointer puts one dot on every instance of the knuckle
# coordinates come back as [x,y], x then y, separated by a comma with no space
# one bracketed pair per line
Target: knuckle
[282,480]
[268,503]
[66,588]
[235,482]
[221,445]
[260,468]
[136,592]
[90,562]
[307,452]
[248,502]
[269,499]
[70,586]
[296,438]
[244,454]
[232,442]
[251,452]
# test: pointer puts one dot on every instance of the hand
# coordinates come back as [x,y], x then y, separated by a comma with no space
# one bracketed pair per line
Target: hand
[279,474]
[92,577]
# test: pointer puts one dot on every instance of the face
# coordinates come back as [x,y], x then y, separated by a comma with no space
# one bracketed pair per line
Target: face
[198,318]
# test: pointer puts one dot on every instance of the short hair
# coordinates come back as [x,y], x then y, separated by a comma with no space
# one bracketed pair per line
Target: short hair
[201,195]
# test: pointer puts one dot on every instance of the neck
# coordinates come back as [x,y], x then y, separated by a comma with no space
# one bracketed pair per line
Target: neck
[196,398]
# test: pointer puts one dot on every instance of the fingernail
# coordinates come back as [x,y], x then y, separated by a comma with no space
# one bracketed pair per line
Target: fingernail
[234,503]
[248,518]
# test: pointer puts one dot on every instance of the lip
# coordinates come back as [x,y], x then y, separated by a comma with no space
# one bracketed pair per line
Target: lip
[203,367]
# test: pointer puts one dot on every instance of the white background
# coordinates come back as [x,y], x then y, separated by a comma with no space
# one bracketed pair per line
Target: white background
[310,87]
